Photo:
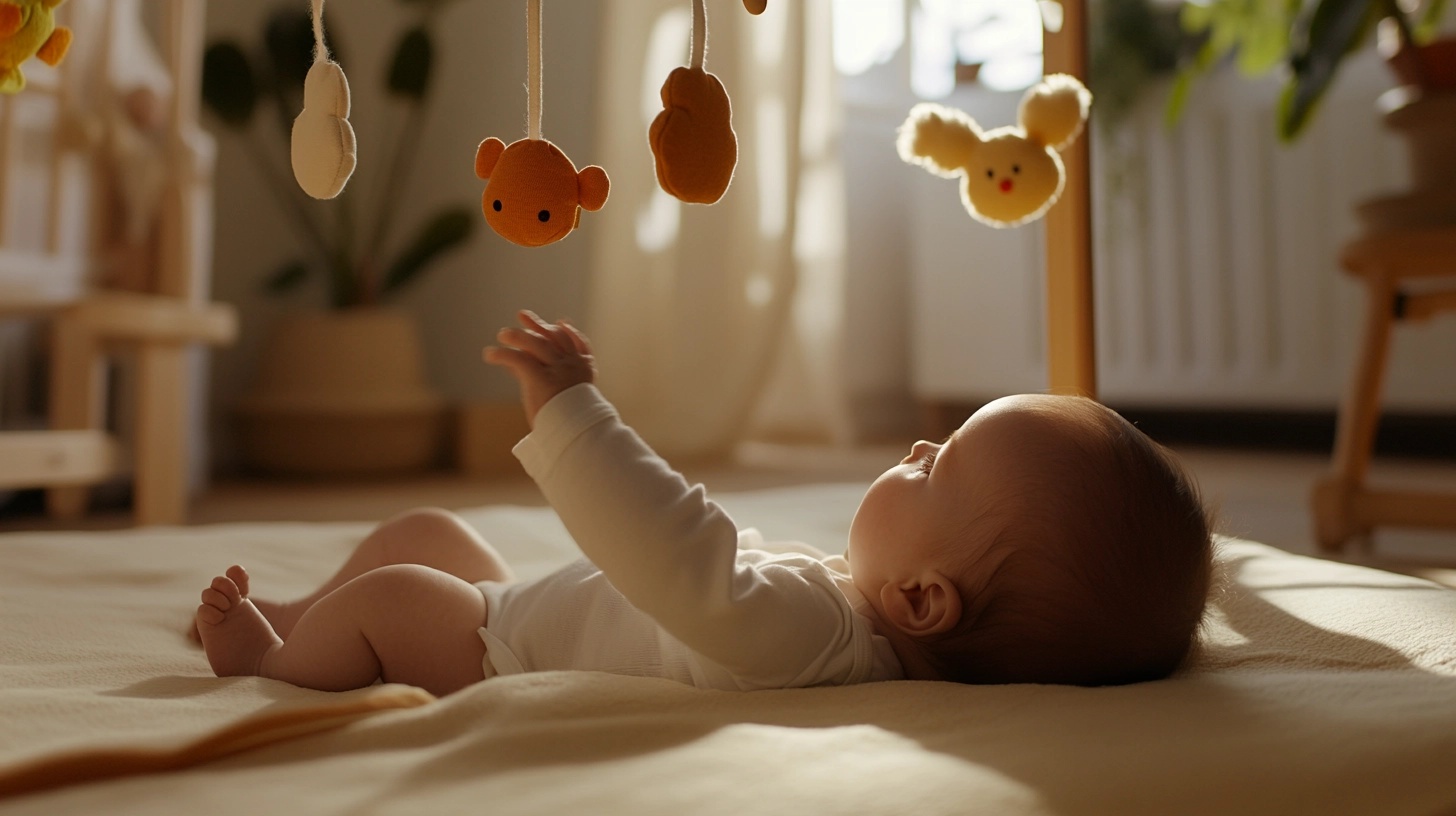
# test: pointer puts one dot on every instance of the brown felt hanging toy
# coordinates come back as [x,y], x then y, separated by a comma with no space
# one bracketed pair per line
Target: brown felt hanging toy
[533,193]
[693,143]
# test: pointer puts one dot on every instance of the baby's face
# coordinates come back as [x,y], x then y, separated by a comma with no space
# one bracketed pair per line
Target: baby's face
[914,509]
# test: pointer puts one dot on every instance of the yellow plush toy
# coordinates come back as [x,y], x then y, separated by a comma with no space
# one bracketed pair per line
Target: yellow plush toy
[28,29]
[1010,175]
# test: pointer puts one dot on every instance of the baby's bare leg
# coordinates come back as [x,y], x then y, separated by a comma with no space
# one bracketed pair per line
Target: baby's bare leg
[402,623]
[429,537]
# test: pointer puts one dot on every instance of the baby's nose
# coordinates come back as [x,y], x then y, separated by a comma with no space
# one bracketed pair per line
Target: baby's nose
[917,451]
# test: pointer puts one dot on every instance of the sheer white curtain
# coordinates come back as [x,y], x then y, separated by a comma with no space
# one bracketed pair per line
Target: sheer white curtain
[699,313]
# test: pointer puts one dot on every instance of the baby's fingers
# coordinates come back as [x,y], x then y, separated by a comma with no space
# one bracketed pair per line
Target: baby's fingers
[578,340]
[518,362]
[530,342]
[551,331]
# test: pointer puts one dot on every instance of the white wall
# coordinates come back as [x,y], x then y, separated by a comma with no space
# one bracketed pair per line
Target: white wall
[479,91]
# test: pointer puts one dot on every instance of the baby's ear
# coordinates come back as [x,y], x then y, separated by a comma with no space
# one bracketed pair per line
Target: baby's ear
[487,155]
[923,606]
[1053,111]
[592,186]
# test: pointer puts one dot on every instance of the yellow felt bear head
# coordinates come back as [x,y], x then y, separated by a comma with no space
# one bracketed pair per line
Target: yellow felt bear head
[1010,175]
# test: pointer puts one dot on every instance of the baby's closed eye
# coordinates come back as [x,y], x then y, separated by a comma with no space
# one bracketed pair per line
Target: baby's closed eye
[927,463]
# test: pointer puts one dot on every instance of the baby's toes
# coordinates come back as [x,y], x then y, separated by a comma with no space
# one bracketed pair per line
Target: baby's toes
[240,577]
[216,599]
[229,589]
[210,615]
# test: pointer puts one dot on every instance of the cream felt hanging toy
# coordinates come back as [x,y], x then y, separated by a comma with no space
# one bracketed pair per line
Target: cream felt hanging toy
[1011,175]
[693,144]
[533,193]
[28,29]
[324,151]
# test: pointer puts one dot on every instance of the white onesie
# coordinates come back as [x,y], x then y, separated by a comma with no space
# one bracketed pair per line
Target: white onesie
[670,587]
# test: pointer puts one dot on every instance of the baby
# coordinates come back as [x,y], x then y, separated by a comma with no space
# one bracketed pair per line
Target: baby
[1045,541]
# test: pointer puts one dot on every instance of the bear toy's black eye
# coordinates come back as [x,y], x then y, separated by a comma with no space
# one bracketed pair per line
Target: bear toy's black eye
[496,205]
[1016,168]
[990,173]
[544,215]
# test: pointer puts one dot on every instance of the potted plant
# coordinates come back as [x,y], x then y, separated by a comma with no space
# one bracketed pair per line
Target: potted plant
[341,390]
[1311,40]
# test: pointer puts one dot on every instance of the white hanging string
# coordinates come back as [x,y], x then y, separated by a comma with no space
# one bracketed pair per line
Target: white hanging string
[533,68]
[320,51]
[700,33]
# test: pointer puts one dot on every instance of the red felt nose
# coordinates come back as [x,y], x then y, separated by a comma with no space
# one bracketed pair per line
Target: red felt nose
[1005,185]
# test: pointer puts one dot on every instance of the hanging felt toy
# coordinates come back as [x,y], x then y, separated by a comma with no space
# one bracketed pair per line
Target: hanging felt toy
[1010,175]
[755,6]
[323,150]
[28,29]
[533,193]
[693,143]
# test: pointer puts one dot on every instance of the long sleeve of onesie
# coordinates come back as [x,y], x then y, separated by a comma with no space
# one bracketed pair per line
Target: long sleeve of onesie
[673,553]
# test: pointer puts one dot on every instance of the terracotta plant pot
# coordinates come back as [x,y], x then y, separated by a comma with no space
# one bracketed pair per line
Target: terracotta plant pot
[342,394]
[1426,120]
[1431,67]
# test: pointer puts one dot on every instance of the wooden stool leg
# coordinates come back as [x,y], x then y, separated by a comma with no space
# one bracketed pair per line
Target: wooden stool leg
[1359,419]
[75,402]
[161,461]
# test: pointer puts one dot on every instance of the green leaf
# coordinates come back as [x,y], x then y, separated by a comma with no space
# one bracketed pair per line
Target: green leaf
[445,231]
[1333,30]
[409,73]
[286,279]
[1430,21]
[1177,98]
[229,86]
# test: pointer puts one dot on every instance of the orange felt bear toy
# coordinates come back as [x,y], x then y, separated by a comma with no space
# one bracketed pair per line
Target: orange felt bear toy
[693,143]
[533,193]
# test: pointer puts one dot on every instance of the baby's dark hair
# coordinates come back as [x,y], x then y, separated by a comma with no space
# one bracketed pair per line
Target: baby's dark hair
[1102,555]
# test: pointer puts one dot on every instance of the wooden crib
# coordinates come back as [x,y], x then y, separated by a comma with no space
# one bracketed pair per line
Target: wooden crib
[54,238]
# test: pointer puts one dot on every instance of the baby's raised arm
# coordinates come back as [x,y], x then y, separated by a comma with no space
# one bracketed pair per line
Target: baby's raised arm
[661,542]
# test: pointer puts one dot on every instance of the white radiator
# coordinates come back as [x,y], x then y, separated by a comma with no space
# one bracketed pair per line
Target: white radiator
[1217,283]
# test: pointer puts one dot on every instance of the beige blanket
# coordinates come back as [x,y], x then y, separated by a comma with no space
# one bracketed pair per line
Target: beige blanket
[1323,688]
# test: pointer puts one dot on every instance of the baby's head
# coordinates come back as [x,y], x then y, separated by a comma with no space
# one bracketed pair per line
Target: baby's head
[1046,541]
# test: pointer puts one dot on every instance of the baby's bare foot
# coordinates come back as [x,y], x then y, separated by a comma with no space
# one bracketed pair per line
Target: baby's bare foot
[234,633]
[281,616]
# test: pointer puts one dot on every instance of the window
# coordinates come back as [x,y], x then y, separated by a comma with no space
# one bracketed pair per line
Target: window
[996,43]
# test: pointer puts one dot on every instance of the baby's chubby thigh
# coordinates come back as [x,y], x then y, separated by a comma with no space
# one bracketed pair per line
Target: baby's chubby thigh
[423,624]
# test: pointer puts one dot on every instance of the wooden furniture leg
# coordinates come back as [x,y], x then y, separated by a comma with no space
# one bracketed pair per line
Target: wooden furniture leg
[1071,333]
[1334,499]
[76,388]
[161,445]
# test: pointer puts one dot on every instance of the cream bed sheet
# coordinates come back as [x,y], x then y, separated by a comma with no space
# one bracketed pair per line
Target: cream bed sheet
[1322,688]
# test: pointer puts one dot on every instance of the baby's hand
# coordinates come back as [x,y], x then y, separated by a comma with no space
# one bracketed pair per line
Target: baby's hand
[545,358]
